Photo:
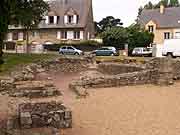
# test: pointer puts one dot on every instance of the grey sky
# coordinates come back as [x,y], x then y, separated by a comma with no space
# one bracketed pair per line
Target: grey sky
[126,10]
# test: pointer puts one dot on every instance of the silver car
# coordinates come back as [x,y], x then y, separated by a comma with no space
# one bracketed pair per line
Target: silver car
[70,50]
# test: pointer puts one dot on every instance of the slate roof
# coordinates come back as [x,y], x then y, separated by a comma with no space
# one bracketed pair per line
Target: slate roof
[170,18]
[60,7]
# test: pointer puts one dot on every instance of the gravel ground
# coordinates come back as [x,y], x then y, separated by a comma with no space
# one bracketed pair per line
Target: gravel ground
[137,110]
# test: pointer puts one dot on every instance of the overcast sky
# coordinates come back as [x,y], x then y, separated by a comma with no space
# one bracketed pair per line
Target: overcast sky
[126,10]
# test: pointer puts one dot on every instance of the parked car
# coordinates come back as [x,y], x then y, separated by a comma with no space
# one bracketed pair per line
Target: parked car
[142,51]
[70,50]
[106,51]
[171,48]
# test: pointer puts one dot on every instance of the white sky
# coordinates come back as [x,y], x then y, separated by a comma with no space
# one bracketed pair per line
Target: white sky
[126,10]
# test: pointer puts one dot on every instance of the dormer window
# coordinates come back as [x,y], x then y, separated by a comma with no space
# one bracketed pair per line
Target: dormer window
[70,19]
[51,19]
[151,28]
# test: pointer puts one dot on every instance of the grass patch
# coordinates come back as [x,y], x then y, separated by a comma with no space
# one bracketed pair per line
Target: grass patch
[14,60]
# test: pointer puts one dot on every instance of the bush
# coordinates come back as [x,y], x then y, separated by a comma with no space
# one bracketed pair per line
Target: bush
[88,45]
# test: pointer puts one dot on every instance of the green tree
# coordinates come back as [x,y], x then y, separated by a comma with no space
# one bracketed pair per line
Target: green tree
[30,14]
[116,36]
[149,5]
[138,37]
[108,22]
[7,12]
[174,3]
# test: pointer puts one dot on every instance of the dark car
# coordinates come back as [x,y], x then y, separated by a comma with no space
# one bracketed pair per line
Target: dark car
[105,51]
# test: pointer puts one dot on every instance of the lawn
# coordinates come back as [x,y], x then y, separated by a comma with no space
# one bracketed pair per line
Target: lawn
[14,60]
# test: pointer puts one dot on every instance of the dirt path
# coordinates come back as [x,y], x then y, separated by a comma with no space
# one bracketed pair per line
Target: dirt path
[62,81]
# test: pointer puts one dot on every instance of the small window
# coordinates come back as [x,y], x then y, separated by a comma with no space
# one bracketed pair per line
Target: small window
[76,34]
[63,48]
[70,48]
[34,33]
[77,21]
[15,36]
[151,28]
[58,19]
[70,19]
[64,34]
[51,19]
[167,35]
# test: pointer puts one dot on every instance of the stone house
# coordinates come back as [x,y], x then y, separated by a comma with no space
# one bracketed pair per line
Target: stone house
[163,22]
[66,21]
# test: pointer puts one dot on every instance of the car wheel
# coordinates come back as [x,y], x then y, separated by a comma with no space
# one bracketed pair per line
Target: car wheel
[169,55]
[76,53]
[112,54]
[61,53]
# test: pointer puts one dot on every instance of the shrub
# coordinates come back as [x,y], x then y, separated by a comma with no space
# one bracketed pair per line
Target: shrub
[87,45]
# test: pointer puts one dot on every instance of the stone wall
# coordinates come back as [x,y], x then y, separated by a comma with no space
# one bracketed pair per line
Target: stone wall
[135,78]
[34,89]
[114,68]
[39,115]
[34,115]
[29,74]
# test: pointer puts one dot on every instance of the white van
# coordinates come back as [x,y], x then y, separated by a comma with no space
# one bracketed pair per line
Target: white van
[171,48]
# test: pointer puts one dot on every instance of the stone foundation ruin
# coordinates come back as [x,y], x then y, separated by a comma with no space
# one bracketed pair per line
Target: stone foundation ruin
[158,71]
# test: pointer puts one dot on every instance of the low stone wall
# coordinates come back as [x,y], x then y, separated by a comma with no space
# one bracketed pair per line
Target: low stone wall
[135,78]
[34,115]
[114,68]
[39,115]
[34,89]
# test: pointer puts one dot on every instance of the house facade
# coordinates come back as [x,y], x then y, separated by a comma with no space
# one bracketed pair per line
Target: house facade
[66,21]
[163,22]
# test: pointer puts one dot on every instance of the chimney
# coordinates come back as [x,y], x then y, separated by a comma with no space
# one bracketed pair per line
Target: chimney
[162,9]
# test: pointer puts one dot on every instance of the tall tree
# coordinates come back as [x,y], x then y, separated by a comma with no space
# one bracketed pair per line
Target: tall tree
[30,13]
[149,5]
[7,12]
[107,23]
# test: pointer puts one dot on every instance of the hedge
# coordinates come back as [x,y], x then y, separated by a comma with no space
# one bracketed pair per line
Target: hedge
[83,45]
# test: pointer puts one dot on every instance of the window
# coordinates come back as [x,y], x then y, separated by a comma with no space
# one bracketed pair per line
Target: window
[177,35]
[70,48]
[51,19]
[70,19]
[77,21]
[151,28]
[64,35]
[76,34]
[167,35]
[34,33]
[15,36]
[58,19]
[63,48]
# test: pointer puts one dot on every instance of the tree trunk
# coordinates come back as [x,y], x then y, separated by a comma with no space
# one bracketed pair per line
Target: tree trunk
[27,42]
[1,47]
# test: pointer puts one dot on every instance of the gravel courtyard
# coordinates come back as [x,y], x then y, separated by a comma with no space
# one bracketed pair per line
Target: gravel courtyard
[136,110]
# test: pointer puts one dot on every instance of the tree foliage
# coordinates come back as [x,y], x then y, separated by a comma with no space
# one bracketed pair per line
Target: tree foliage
[139,37]
[107,23]
[116,36]
[134,36]
[25,12]
[36,10]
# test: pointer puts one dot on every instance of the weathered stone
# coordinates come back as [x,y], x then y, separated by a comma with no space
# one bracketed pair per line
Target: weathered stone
[45,114]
